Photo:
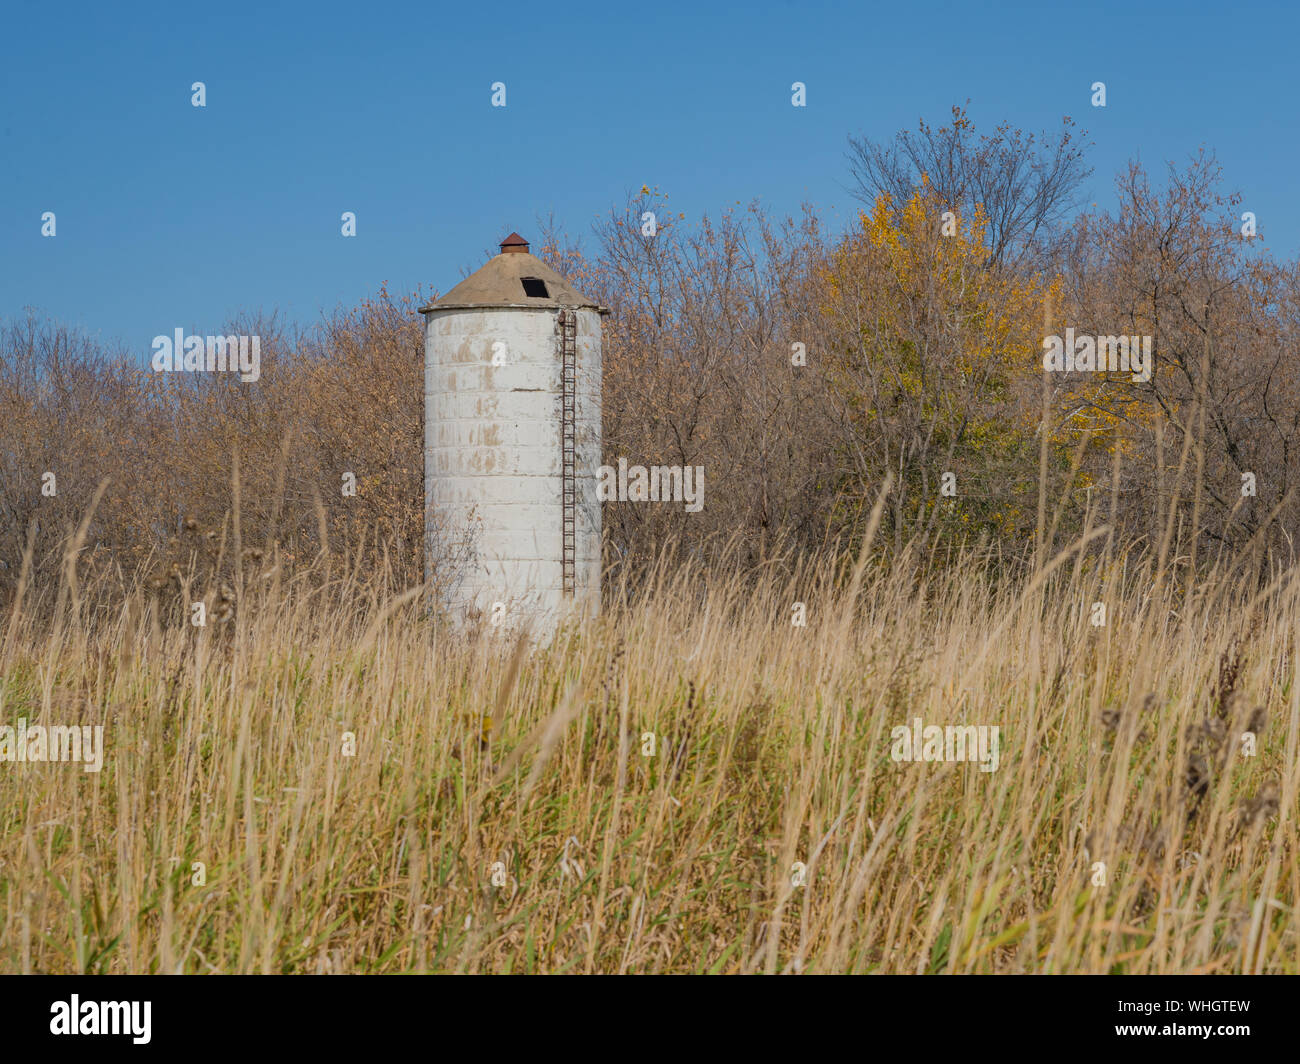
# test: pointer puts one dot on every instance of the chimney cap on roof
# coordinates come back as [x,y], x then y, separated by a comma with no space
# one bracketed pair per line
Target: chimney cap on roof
[514,243]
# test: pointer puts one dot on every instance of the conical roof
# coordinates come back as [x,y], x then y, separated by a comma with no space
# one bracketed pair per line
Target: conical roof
[513,279]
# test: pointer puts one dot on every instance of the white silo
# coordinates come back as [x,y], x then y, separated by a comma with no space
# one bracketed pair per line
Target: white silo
[512,443]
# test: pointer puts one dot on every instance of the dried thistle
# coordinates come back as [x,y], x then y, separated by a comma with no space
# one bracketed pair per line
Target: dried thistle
[1265,804]
[1214,731]
[1229,671]
[1197,780]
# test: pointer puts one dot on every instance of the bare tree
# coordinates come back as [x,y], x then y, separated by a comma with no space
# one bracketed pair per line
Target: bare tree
[1222,314]
[1027,185]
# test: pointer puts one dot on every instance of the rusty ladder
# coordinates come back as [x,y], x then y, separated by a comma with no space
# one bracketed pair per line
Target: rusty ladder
[567,328]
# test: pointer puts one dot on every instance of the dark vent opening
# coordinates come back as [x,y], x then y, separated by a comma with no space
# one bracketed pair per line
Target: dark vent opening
[535,288]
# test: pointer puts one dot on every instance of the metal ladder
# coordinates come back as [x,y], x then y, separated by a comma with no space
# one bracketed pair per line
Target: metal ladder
[567,329]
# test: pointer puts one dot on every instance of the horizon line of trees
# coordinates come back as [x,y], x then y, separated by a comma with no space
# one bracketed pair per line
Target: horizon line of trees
[801,368]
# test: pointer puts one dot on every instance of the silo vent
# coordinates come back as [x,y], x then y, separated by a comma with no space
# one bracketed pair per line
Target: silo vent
[514,244]
[535,288]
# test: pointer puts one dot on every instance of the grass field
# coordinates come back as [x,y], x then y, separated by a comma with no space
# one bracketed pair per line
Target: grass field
[226,747]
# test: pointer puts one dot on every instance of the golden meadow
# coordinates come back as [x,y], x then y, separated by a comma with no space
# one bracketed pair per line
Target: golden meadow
[498,812]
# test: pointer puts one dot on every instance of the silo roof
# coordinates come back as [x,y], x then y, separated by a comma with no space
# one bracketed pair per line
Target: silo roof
[501,283]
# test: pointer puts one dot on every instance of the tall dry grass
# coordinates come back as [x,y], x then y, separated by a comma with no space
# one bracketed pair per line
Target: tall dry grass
[225,746]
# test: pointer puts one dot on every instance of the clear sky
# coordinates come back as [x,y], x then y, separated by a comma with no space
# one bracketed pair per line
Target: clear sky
[172,216]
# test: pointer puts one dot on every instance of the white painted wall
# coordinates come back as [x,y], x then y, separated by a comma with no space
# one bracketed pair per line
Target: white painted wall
[492,460]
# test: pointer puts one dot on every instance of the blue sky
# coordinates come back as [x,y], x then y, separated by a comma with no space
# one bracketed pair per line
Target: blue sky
[170,215]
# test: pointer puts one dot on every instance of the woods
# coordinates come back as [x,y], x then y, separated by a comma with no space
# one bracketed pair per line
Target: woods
[798,367]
